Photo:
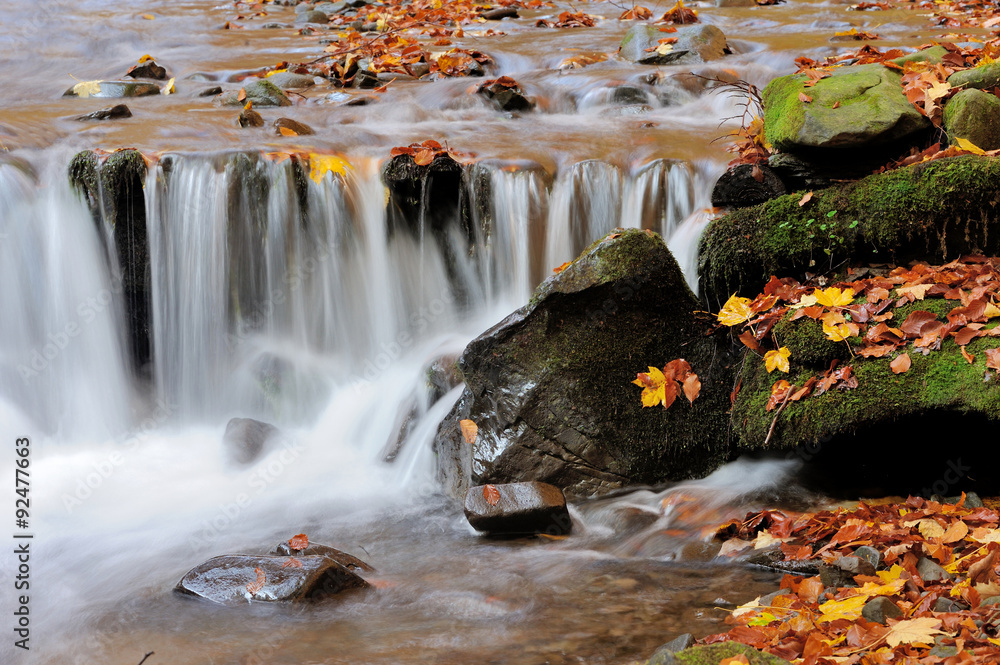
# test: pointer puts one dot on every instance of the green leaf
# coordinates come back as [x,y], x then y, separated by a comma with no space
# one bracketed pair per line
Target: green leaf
[854,223]
[831,213]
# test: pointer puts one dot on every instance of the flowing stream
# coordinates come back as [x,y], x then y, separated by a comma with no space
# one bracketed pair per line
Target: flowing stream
[316,314]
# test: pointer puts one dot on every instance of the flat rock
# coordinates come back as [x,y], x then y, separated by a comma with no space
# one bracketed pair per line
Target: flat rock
[108,113]
[520,508]
[879,609]
[983,77]
[224,579]
[695,44]
[343,558]
[288,80]
[113,89]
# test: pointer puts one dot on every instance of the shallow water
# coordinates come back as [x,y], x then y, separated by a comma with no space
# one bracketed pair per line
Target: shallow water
[130,487]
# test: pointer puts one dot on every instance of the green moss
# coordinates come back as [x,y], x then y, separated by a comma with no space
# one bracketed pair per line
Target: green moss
[712,654]
[808,344]
[937,210]
[84,178]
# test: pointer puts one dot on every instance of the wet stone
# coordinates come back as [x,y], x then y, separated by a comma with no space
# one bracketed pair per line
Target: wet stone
[108,113]
[500,13]
[943,604]
[879,609]
[245,438]
[311,16]
[112,89]
[365,78]
[869,554]
[629,94]
[147,70]
[211,92]
[287,126]
[738,188]
[343,558]
[288,80]
[522,508]
[842,571]
[224,579]
[665,654]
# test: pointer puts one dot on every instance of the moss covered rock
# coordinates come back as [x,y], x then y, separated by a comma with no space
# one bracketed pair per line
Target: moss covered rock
[261,93]
[550,386]
[982,77]
[937,210]
[974,115]
[713,654]
[871,110]
[932,55]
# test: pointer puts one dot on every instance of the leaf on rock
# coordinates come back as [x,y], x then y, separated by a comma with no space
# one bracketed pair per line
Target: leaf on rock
[918,291]
[739,659]
[652,384]
[777,360]
[955,532]
[900,364]
[993,359]
[969,146]
[469,430]
[87,88]
[299,542]
[807,197]
[834,297]
[692,387]
[491,494]
[805,99]
[320,165]
[292,562]
[920,630]
[254,587]
[735,311]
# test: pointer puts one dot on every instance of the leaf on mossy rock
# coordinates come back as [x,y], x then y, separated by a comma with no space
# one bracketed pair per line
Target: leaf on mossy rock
[900,364]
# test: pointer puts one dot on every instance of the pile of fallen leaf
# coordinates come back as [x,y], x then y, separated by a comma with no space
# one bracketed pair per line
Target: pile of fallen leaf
[860,314]
[949,614]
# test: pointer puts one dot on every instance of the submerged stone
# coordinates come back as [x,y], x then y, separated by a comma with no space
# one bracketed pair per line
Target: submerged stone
[237,578]
[108,113]
[695,44]
[518,508]
[246,439]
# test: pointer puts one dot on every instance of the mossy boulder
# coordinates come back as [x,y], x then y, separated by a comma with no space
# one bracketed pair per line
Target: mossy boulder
[261,93]
[550,386]
[974,115]
[695,44]
[937,210]
[855,108]
[713,654]
[933,55]
[983,77]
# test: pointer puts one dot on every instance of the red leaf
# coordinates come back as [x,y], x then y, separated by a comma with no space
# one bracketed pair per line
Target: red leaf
[900,364]
[423,157]
[491,494]
[292,562]
[299,542]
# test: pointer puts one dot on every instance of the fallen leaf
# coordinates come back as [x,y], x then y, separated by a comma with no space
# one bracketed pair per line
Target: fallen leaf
[993,359]
[900,364]
[955,532]
[299,542]
[87,88]
[921,630]
[320,165]
[469,430]
[918,291]
[803,97]
[777,360]
[241,95]
[168,88]
[969,146]
[292,562]
[735,311]
[834,297]
[692,387]
[806,198]
[738,659]
[968,356]
[254,587]
[491,494]
[559,269]
[848,608]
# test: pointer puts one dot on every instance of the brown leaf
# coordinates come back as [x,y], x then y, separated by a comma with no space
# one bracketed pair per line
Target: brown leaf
[968,356]
[982,571]
[241,95]
[966,335]
[803,97]
[423,157]
[749,340]
[491,494]
[805,199]
[900,364]
[469,430]
[692,387]
[993,359]
[915,322]
[299,542]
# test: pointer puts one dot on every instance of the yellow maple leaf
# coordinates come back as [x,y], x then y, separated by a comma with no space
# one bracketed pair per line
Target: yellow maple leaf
[892,574]
[872,589]
[88,88]
[320,165]
[834,297]
[653,385]
[991,311]
[838,332]
[735,311]
[849,608]
[806,301]
[969,146]
[921,630]
[937,91]
[777,360]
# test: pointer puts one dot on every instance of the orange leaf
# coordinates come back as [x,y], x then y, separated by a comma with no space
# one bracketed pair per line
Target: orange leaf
[993,359]
[299,542]
[900,364]
[423,157]
[242,95]
[559,269]
[285,131]
[805,199]
[469,430]
[738,659]
[292,562]
[254,587]
[968,356]
[692,387]
[803,97]
[491,494]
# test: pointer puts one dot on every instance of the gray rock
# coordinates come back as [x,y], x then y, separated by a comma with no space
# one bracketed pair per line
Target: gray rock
[298,128]
[544,385]
[245,438]
[288,80]
[869,554]
[665,654]
[343,558]
[973,115]
[879,609]
[737,188]
[695,44]
[944,604]
[312,16]
[224,579]
[629,94]
[522,508]
[262,93]
[331,8]
[442,375]
[930,571]
[108,113]
[841,572]
[871,111]
[992,600]
[113,89]
[943,651]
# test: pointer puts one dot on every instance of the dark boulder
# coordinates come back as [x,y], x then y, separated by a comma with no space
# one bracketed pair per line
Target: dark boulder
[249,118]
[506,94]
[738,187]
[245,439]
[442,375]
[518,508]
[289,127]
[500,13]
[108,113]
[147,70]
[343,558]
[550,386]
[236,578]
[260,93]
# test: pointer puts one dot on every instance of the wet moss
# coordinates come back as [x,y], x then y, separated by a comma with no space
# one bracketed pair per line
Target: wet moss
[935,211]
[712,654]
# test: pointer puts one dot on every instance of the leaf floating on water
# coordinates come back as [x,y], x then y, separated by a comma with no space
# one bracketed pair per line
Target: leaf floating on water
[491,494]
[470,430]
[87,88]
[299,542]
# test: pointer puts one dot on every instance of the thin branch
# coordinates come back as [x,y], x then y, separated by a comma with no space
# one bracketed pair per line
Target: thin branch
[145,657]
[780,409]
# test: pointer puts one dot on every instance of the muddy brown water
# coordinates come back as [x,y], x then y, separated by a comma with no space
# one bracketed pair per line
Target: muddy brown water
[633,575]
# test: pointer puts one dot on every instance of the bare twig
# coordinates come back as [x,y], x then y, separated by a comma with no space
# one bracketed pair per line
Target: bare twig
[145,657]
[778,413]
